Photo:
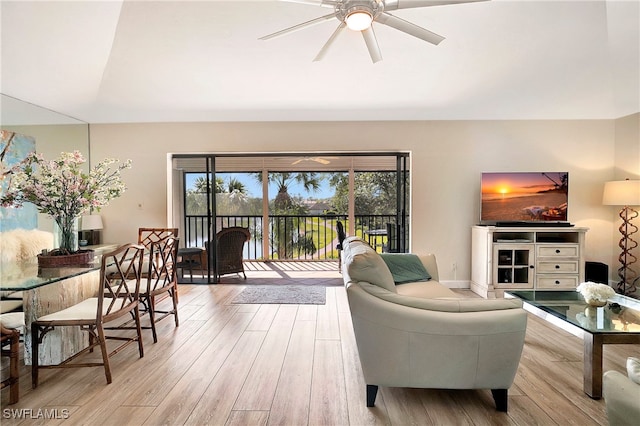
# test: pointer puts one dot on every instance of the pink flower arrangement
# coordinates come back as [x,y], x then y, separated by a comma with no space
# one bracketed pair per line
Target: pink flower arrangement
[61,189]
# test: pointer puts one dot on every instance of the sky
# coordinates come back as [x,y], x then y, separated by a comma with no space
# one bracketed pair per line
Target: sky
[519,182]
[255,188]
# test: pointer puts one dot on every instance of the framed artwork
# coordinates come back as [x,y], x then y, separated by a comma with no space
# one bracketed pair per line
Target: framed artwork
[14,148]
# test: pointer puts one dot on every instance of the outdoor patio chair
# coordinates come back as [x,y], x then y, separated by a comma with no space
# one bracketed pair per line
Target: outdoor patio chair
[118,292]
[228,250]
[341,237]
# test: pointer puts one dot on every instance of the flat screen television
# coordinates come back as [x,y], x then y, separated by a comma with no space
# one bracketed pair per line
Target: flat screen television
[524,197]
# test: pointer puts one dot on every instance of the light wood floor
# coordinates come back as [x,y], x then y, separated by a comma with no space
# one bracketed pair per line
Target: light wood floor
[230,364]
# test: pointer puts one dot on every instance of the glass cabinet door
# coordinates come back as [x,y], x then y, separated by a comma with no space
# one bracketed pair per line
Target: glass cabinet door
[513,265]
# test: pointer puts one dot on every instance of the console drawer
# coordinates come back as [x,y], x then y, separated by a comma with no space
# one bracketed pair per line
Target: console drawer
[550,281]
[562,267]
[567,250]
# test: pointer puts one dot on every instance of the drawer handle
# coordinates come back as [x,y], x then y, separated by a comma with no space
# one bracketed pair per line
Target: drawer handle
[558,251]
[557,266]
[557,282]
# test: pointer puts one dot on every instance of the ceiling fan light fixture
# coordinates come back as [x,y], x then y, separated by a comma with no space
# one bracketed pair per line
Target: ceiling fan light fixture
[359,20]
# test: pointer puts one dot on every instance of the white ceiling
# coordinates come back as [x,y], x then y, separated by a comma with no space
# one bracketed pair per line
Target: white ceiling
[150,61]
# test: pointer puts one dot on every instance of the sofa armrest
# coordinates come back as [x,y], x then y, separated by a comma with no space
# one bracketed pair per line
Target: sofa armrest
[621,396]
[429,262]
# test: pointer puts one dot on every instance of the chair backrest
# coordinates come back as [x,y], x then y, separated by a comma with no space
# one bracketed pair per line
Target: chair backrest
[341,234]
[120,272]
[229,246]
[162,271]
[146,236]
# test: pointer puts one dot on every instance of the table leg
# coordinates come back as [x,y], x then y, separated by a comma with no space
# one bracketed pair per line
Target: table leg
[593,365]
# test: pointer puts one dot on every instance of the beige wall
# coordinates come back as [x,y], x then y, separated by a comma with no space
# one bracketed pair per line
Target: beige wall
[626,166]
[447,157]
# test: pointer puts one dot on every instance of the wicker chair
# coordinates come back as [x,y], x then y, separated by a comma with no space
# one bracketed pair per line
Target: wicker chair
[228,250]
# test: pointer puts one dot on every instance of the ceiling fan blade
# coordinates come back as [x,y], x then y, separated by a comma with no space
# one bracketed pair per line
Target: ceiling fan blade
[372,44]
[298,27]
[409,4]
[329,42]
[321,3]
[409,28]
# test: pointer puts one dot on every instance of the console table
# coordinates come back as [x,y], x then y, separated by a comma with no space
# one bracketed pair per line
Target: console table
[50,290]
[617,323]
[526,258]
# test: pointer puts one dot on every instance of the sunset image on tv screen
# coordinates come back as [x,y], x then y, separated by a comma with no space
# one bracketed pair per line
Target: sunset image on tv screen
[525,196]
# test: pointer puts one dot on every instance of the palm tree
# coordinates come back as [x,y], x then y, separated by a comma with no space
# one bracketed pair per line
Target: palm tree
[285,236]
[201,184]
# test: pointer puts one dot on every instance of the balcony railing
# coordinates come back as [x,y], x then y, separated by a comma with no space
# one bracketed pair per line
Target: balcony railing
[293,237]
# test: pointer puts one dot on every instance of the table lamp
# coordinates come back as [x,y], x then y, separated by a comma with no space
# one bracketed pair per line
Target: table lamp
[625,193]
[92,223]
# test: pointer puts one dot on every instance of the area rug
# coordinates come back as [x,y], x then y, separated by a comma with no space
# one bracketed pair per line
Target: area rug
[283,294]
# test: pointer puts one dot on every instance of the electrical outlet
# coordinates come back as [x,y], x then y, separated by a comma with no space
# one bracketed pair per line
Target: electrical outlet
[454,266]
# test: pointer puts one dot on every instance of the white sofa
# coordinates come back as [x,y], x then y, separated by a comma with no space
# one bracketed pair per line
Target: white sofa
[422,335]
[622,394]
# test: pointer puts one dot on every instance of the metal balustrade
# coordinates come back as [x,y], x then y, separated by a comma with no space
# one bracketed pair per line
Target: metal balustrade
[289,235]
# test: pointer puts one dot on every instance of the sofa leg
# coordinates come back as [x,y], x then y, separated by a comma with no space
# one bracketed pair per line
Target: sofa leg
[500,397]
[372,391]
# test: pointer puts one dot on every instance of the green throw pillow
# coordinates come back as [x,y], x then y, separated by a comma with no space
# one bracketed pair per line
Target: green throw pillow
[405,267]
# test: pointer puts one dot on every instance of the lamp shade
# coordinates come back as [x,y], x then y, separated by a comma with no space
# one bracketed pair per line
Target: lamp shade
[621,193]
[91,222]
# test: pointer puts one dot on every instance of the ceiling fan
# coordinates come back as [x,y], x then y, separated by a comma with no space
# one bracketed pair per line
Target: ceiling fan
[358,15]
[321,160]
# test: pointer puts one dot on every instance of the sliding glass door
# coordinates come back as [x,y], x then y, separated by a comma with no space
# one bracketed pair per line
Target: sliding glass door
[291,203]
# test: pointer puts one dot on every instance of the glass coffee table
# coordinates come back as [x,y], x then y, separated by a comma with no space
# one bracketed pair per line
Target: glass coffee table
[616,323]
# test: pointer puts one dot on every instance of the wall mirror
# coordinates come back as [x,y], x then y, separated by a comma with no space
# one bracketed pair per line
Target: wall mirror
[52,131]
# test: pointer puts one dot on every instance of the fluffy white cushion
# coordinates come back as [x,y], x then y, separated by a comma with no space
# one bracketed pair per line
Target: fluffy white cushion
[9,246]
[22,244]
[633,369]
[34,242]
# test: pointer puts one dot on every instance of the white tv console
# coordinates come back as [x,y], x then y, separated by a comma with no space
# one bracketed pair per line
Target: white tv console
[526,258]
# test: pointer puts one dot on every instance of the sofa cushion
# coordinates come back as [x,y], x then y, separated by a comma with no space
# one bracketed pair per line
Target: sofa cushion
[364,264]
[633,369]
[444,304]
[405,267]
[426,290]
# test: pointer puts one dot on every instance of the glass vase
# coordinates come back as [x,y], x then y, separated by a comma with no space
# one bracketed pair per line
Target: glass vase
[65,234]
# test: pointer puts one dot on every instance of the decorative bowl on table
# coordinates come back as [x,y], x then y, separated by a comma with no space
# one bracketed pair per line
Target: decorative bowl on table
[595,294]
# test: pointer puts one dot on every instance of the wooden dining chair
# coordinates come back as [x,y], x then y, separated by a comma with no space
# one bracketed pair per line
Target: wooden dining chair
[11,325]
[146,236]
[118,297]
[160,278]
